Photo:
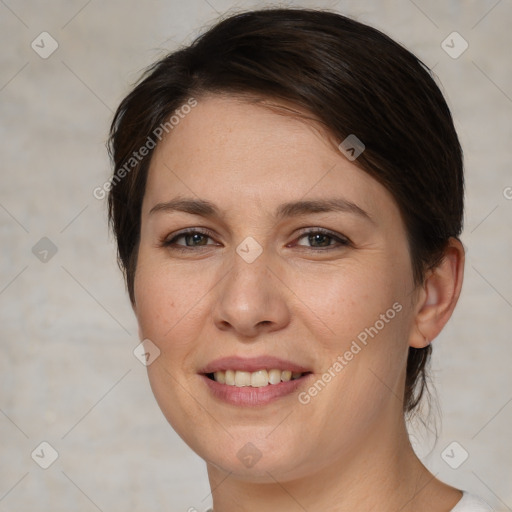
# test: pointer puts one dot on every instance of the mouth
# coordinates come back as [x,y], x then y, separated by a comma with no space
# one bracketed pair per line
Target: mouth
[253,381]
[258,379]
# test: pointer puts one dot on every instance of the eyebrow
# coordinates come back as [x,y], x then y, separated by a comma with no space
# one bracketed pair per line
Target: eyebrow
[206,208]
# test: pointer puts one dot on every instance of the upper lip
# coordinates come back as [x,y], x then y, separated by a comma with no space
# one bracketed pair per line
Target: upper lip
[252,364]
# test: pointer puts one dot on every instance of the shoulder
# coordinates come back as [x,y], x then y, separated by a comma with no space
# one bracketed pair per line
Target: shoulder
[472,503]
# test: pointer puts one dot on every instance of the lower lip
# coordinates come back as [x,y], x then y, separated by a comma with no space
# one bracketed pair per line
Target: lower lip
[249,396]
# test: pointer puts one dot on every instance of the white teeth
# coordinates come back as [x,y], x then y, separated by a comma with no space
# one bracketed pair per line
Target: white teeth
[242,379]
[286,375]
[256,379]
[274,376]
[220,377]
[259,379]
[230,377]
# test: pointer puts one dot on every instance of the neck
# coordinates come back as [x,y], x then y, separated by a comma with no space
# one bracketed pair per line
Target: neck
[381,473]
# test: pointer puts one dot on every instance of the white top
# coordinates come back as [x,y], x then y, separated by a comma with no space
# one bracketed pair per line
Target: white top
[472,503]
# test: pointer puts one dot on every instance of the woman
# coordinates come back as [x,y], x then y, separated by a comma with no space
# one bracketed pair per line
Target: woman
[287,201]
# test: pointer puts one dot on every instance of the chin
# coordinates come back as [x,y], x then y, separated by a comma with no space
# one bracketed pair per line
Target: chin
[254,458]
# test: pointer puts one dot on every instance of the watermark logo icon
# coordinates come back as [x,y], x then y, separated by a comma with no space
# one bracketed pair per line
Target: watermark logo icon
[146,352]
[351,147]
[454,455]
[44,250]
[249,455]
[249,249]
[44,455]
[454,45]
[44,45]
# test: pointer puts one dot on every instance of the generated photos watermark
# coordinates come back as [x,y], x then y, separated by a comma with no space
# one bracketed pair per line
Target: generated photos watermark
[343,360]
[139,155]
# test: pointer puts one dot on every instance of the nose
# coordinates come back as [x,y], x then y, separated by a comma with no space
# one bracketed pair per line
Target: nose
[251,299]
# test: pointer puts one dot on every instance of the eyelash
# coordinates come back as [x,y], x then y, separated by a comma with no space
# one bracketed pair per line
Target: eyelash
[169,243]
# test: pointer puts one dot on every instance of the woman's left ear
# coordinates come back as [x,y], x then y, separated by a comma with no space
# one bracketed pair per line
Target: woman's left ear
[439,295]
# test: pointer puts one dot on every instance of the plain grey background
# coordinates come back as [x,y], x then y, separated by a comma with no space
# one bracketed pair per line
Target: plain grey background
[68,375]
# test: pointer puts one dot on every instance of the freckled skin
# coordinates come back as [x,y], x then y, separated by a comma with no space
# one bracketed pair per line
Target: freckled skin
[348,445]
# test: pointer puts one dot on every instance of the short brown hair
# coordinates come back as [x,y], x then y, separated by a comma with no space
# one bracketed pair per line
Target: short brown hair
[353,78]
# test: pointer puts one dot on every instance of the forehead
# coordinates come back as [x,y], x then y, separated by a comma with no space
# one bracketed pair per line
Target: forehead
[234,152]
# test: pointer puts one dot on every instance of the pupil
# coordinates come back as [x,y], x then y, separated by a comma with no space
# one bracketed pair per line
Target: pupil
[320,235]
[195,237]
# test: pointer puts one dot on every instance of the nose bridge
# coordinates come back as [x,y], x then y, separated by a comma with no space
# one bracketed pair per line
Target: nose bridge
[250,296]
[250,275]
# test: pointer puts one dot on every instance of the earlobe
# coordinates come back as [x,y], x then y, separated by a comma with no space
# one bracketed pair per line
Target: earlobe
[439,296]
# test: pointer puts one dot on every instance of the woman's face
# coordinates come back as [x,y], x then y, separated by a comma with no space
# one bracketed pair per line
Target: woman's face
[274,282]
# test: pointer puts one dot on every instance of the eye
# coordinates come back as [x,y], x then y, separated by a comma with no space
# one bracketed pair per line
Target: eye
[319,238]
[193,238]
[322,238]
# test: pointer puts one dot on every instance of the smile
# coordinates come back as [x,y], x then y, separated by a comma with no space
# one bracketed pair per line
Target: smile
[254,381]
[257,379]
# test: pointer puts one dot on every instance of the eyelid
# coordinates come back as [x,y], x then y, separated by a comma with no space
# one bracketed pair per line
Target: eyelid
[342,240]
[167,239]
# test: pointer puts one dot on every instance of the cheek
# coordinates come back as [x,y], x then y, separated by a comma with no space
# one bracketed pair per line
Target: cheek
[167,299]
[343,302]
[360,314]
